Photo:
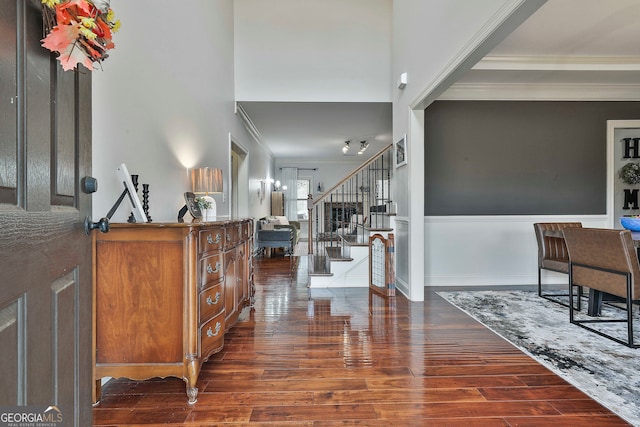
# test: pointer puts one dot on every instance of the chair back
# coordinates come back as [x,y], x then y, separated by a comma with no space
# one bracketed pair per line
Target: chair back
[552,247]
[604,256]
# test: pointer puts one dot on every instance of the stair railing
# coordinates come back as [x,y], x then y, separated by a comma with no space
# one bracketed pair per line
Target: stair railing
[346,213]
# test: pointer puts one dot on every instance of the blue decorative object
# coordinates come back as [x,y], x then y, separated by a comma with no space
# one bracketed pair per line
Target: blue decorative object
[630,223]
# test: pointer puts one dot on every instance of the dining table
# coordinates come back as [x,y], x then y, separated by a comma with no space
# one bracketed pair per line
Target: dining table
[597,297]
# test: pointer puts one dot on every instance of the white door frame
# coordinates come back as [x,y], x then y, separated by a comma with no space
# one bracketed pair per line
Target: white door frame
[238,186]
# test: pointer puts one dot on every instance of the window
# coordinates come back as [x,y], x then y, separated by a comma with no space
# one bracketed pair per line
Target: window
[303,189]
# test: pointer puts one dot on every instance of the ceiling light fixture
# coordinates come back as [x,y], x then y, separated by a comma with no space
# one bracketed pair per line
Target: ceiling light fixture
[363,146]
[345,149]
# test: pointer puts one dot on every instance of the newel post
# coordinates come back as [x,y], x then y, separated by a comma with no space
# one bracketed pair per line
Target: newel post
[310,216]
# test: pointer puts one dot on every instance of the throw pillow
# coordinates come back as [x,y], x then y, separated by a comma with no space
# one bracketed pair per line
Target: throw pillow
[282,220]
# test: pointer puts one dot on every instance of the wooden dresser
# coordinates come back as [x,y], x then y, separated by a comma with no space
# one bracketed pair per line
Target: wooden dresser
[164,296]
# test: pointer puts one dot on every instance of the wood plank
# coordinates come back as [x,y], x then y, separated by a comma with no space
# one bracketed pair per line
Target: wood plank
[316,412]
[532,393]
[468,409]
[573,421]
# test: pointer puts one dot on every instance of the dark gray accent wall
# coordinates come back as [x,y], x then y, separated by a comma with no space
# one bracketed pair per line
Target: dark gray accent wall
[518,157]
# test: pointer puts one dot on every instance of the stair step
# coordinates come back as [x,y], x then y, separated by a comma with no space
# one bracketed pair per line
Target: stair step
[335,254]
[319,266]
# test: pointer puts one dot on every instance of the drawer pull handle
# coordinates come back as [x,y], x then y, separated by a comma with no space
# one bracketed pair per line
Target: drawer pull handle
[211,301]
[212,334]
[211,241]
[210,269]
[228,237]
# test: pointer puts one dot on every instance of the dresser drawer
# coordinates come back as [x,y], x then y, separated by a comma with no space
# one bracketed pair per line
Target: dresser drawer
[211,269]
[246,231]
[211,302]
[212,335]
[232,233]
[212,239]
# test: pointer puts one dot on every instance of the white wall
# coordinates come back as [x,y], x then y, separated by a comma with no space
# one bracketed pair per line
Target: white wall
[434,42]
[310,50]
[327,173]
[164,102]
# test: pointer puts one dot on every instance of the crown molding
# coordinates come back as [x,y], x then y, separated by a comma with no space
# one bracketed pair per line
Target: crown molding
[559,63]
[541,92]
[248,123]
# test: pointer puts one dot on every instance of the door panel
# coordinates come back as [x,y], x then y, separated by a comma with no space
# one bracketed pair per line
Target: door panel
[64,142]
[66,322]
[45,257]
[8,130]
[12,362]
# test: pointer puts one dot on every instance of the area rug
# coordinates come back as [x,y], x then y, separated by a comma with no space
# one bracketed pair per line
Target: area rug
[301,249]
[606,371]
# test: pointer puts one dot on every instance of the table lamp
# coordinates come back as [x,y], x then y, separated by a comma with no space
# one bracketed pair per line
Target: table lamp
[207,181]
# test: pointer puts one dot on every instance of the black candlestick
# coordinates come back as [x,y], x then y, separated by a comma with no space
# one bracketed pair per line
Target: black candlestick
[145,201]
[134,180]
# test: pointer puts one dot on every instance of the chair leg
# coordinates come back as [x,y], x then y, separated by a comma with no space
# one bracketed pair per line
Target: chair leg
[571,295]
[579,304]
[539,282]
[629,313]
[630,322]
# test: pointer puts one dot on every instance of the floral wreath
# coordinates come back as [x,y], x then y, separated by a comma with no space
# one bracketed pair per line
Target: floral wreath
[79,30]
[630,173]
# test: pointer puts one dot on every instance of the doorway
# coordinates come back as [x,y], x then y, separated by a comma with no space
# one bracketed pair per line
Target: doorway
[239,179]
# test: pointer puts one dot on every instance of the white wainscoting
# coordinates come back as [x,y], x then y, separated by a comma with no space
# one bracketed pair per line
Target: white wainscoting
[489,250]
[401,229]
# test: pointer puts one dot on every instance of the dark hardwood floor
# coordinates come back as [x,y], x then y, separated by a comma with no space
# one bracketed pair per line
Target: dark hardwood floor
[347,358]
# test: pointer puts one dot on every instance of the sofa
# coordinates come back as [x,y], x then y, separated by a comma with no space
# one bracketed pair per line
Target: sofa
[277,232]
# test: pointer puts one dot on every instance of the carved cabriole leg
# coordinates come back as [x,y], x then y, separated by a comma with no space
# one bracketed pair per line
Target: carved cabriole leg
[192,342]
[192,395]
[193,368]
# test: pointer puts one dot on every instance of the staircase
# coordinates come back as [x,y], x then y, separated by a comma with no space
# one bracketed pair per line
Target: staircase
[342,219]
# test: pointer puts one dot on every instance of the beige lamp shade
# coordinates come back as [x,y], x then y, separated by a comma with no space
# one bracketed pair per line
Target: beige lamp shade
[206,180]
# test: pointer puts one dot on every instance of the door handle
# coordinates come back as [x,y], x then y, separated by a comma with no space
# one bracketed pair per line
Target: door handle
[89,185]
[103,225]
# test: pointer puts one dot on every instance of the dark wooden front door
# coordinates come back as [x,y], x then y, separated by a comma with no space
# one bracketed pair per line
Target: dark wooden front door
[45,257]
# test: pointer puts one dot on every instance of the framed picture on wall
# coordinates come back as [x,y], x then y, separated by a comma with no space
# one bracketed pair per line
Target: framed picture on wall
[622,183]
[262,191]
[401,151]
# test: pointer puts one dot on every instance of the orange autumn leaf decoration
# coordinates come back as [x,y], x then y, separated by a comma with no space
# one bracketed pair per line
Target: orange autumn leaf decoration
[80,31]
[61,37]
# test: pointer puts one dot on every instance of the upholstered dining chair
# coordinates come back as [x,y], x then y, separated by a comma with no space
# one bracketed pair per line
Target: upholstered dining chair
[604,260]
[552,254]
